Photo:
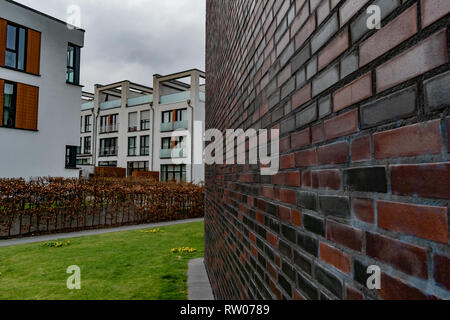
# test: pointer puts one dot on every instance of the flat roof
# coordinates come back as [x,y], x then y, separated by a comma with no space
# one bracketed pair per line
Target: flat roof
[44,14]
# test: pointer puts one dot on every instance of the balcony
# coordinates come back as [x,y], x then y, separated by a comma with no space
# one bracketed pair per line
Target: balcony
[175,97]
[174,126]
[172,153]
[109,128]
[108,152]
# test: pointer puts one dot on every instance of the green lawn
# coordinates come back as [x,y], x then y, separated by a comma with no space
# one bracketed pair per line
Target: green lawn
[124,265]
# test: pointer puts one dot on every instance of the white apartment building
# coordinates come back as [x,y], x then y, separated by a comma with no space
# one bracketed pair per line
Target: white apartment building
[139,128]
[39,93]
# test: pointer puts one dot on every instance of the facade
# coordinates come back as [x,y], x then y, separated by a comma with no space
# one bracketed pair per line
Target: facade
[39,93]
[364,128]
[131,126]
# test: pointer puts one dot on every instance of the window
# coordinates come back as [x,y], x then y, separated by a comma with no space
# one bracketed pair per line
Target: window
[111,164]
[71,157]
[132,146]
[173,173]
[179,143]
[145,120]
[132,122]
[9,105]
[83,162]
[16,39]
[108,147]
[145,145]
[87,145]
[79,147]
[166,143]
[181,115]
[73,64]
[136,166]
[88,123]
[167,117]
[109,124]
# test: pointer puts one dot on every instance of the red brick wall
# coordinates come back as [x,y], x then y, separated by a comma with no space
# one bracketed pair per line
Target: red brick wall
[364,141]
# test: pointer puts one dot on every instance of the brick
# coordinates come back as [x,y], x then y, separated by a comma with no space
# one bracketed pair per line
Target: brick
[425,56]
[307,200]
[285,144]
[287,161]
[424,180]
[400,29]
[359,26]
[308,244]
[349,64]
[300,139]
[425,222]
[381,111]
[306,116]
[301,97]
[329,281]
[395,289]
[360,149]
[284,213]
[305,32]
[345,235]
[433,10]
[402,256]
[441,268]
[323,11]
[300,78]
[353,294]
[371,179]
[360,272]
[336,153]
[437,92]
[272,239]
[288,196]
[353,93]
[297,218]
[342,125]
[287,125]
[303,262]
[349,9]
[324,106]
[299,20]
[300,59]
[289,233]
[326,179]
[306,179]
[305,158]
[364,210]
[335,258]
[415,140]
[333,206]
[317,133]
[292,179]
[307,287]
[324,33]
[325,80]
[284,75]
[267,192]
[314,225]
[334,49]
[311,68]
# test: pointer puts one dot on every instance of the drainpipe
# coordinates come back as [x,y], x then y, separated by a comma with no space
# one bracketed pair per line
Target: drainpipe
[192,140]
[153,137]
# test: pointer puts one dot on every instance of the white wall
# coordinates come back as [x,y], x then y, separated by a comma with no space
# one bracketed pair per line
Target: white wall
[42,153]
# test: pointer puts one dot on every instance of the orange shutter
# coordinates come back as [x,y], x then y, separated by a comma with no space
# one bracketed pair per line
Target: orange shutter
[2,90]
[27,107]
[34,51]
[2,43]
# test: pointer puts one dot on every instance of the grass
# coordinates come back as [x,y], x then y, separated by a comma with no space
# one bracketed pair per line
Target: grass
[131,265]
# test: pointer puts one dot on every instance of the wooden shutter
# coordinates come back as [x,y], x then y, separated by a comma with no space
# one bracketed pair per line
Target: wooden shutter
[33,51]
[2,43]
[2,90]
[27,107]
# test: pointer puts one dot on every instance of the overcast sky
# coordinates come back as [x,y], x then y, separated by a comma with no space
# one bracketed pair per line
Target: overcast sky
[134,39]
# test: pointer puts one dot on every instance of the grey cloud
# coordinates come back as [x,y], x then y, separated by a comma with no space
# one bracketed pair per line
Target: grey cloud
[135,39]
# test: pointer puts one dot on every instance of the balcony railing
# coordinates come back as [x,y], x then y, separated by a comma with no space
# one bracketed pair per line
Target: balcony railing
[174,126]
[109,128]
[172,153]
[108,152]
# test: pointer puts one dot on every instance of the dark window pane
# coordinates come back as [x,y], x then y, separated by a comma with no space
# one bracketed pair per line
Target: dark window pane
[11,37]
[21,57]
[70,56]
[10,59]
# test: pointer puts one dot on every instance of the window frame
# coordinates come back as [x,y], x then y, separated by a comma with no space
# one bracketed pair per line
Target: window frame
[165,172]
[89,138]
[76,64]
[13,105]
[71,157]
[144,149]
[134,148]
[17,44]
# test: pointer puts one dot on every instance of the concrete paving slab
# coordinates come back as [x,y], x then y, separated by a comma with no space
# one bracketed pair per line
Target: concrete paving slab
[199,287]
